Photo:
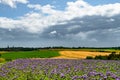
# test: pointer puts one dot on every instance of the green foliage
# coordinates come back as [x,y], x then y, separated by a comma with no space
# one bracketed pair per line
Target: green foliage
[30,54]
[112,56]
[89,57]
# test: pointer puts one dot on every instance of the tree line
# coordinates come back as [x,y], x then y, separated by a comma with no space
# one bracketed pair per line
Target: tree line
[54,47]
[112,56]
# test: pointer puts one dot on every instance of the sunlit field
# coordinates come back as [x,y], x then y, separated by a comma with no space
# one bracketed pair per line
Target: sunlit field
[80,54]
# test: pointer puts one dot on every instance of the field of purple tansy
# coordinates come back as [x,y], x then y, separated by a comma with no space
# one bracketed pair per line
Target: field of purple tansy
[60,69]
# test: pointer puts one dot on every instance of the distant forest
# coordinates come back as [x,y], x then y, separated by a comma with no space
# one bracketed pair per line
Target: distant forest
[42,48]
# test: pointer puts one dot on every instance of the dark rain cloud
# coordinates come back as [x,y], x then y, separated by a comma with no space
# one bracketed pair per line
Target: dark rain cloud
[98,31]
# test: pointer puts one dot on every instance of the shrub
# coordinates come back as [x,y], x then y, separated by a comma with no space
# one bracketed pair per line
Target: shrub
[101,57]
[112,56]
[89,57]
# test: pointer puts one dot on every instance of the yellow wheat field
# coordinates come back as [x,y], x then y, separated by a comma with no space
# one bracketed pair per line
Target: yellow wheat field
[79,54]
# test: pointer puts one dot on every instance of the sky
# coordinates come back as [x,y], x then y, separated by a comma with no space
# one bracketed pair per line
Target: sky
[68,23]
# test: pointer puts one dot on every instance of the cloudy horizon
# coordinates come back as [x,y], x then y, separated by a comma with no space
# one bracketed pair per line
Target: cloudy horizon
[69,23]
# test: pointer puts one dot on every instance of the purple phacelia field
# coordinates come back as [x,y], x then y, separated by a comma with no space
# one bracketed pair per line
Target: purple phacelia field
[60,69]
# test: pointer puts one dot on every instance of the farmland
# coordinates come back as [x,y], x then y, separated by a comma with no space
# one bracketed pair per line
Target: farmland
[30,54]
[56,53]
[60,64]
[80,54]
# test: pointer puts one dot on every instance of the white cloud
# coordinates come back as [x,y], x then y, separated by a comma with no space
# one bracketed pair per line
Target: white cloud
[81,8]
[84,35]
[37,22]
[31,22]
[94,40]
[12,3]
[73,27]
[110,20]
[7,23]
[47,9]
[53,32]
[36,6]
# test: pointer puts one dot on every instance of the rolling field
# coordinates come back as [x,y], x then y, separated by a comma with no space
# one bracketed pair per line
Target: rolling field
[57,53]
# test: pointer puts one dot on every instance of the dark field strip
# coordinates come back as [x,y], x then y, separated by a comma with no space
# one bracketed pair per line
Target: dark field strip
[60,69]
[30,54]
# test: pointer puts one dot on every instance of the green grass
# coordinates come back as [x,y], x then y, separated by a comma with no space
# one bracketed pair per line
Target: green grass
[30,54]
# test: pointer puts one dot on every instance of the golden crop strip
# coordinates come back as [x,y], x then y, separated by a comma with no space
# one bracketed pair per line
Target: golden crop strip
[80,54]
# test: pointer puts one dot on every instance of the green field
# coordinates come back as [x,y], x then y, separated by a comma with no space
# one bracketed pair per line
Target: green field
[30,54]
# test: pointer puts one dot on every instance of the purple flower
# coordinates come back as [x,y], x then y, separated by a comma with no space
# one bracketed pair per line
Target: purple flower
[75,77]
[60,68]
[105,77]
[62,75]
[108,73]
[114,76]
[84,76]
[92,73]
[117,79]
